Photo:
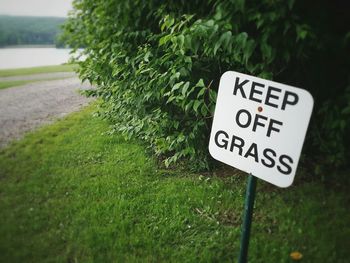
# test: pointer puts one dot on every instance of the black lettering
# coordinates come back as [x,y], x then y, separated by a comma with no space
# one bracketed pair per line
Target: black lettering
[282,161]
[248,120]
[269,96]
[225,142]
[253,151]
[286,99]
[239,86]
[257,123]
[267,156]
[270,128]
[253,91]
[239,146]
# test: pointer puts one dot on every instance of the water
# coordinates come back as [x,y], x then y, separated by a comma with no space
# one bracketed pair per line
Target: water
[24,57]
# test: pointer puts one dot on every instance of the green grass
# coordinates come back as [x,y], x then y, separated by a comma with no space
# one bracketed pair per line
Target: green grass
[37,70]
[70,193]
[30,71]
[9,84]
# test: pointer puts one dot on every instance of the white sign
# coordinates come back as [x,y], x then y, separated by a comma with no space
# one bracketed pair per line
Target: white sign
[259,126]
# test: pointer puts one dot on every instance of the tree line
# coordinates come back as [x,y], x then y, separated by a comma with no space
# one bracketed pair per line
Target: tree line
[25,30]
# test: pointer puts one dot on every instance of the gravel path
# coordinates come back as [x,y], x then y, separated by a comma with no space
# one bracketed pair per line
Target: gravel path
[53,75]
[26,107]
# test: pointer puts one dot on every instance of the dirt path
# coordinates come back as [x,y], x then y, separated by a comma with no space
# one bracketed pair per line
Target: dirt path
[26,107]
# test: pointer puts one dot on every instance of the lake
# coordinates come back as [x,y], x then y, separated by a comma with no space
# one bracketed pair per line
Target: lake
[24,57]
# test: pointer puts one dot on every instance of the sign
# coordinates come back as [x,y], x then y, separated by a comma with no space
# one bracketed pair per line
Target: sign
[259,126]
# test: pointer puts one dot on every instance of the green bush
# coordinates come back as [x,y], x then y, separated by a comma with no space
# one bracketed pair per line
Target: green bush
[157,64]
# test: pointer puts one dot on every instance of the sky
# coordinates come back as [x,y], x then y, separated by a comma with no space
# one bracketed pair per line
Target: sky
[35,7]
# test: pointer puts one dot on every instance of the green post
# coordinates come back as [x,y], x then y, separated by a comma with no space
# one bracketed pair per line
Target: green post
[247,221]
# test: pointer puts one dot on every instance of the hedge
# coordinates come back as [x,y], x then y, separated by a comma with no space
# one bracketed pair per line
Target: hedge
[156,66]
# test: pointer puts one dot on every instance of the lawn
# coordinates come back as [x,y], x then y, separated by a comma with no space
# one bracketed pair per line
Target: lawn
[9,84]
[71,193]
[37,70]
[15,83]
[31,71]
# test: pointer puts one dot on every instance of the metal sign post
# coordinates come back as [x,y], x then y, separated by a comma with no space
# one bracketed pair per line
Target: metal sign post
[247,220]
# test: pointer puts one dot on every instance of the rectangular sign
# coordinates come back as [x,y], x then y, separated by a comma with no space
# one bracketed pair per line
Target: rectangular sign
[259,126]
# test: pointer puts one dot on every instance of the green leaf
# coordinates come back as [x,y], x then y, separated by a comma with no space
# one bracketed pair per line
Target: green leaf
[225,39]
[196,104]
[216,47]
[164,40]
[201,92]
[146,58]
[212,95]
[185,88]
[170,99]
[181,40]
[266,50]
[301,31]
[177,86]
[204,110]
[200,83]
[248,50]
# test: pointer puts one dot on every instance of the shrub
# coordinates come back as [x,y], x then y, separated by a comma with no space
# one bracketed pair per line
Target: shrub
[157,64]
